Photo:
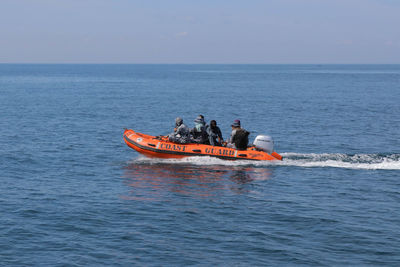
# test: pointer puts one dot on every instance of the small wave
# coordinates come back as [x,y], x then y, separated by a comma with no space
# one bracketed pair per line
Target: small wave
[307,160]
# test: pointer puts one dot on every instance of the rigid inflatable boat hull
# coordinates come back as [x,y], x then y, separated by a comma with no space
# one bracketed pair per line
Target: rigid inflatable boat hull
[152,146]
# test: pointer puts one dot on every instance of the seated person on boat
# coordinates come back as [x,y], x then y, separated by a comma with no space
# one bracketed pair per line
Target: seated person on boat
[181,133]
[239,137]
[199,133]
[214,134]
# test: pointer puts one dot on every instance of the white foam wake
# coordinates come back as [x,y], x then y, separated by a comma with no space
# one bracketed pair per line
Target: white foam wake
[337,160]
[333,160]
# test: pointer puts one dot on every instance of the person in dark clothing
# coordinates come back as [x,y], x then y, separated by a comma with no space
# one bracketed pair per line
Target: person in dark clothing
[214,134]
[239,137]
[199,134]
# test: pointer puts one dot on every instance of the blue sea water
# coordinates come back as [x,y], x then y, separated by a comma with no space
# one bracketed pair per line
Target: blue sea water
[73,194]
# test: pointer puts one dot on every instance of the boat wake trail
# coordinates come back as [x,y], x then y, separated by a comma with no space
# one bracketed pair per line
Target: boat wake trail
[346,161]
[307,160]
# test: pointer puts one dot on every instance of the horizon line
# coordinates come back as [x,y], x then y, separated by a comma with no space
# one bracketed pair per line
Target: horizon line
[163,63]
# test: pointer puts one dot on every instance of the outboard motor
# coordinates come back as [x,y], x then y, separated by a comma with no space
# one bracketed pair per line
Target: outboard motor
[264,143]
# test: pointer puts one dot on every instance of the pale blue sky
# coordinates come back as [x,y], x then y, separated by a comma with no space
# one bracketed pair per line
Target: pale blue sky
[200,31]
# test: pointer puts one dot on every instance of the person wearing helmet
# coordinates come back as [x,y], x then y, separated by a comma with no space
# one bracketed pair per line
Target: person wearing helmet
[199,133]
[181,132]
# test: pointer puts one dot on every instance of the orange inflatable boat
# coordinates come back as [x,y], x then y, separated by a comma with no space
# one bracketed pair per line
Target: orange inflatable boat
[160,147]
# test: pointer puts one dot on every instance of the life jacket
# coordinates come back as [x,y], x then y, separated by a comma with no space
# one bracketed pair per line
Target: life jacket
[241,139]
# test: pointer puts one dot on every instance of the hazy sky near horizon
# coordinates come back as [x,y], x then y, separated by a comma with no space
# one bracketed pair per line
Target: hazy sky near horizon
[200,31]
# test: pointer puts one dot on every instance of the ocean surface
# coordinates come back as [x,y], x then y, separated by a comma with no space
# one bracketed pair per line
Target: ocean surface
[73,194]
